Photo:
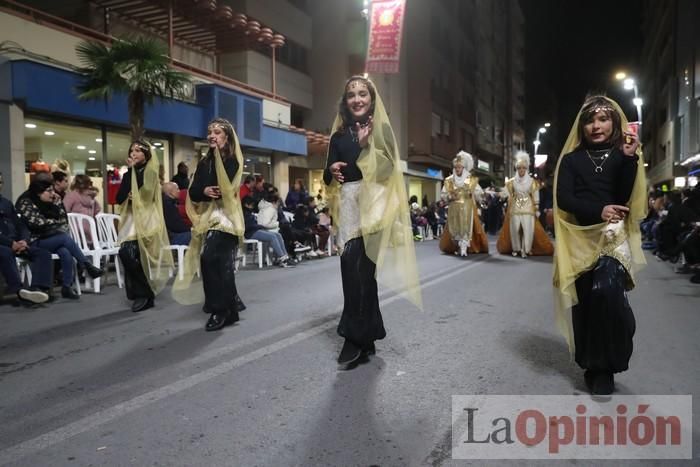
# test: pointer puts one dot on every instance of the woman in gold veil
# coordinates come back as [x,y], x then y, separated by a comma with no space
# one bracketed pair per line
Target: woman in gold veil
[142,232]
[367,199]
[600,198]
[214,206]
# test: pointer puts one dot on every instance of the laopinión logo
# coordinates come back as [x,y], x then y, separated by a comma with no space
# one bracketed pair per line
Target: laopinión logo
[572,427]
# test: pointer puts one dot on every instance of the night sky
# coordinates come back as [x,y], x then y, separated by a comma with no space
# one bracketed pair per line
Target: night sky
[574,47]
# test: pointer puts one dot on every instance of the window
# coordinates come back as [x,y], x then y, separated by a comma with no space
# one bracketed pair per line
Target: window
[257,164]
[446,127]
[46,141]
[294,56]
[435,125]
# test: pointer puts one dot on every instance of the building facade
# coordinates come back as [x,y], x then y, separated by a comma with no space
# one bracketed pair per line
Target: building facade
[42,120]
[671,91]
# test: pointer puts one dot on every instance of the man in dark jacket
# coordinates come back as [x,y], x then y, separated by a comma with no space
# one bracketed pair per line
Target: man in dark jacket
[14,243]
[181,177]
[179,233]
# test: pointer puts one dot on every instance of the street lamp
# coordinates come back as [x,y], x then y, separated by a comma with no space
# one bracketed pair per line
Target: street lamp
[631,85]
[537,141]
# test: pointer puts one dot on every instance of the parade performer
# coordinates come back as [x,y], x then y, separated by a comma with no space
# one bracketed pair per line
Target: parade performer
[600,199]
[464,232]
[367,200]
[214,207]
[142,232]
[522,233]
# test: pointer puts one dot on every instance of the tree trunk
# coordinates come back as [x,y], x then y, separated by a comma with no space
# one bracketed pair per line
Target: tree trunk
[136,114]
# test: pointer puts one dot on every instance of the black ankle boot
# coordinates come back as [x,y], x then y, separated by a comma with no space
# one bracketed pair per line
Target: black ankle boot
[69,293]
[370,349]
[603,383]
[93,271]
[349,353]
[141,304]
[217,321]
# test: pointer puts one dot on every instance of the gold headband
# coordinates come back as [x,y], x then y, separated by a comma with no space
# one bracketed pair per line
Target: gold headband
[602,108]
[222,126]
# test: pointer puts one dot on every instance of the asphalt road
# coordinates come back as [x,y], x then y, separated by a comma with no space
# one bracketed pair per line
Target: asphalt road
[91,383]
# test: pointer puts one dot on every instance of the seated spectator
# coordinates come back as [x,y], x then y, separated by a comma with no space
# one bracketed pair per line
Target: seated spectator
[285,228]
[324,218]
[247,187]
[297,195]
[432,218]
[60,183]
[676,224]
[179,233]
[43,213]
[301,229]
[258,191]
[182,176]
[14,243]
[255,231]
[321,231]
[182,207]
[81,200]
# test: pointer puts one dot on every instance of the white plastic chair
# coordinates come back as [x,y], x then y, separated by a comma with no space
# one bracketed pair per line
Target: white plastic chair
[107,229]
[78,224]
[260,249]
[180,249]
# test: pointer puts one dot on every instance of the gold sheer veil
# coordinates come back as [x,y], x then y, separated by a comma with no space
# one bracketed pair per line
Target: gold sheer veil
[189,290]
[147,212]
[579,247]
[384,217]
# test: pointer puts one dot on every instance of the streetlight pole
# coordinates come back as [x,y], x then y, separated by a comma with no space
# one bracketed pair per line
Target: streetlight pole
[631,85]
[537,141]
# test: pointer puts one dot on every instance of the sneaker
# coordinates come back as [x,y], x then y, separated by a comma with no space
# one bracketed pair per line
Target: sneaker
[286,264]
[33,295]
[312,254]
[321,253]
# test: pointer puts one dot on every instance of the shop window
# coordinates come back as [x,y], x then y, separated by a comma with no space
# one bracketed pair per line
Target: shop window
[435,125]
[46,142]
[228,107]
[253,119]
[257,164]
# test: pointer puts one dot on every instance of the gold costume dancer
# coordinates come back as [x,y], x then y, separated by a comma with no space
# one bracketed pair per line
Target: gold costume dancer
[522,233]
[464,232]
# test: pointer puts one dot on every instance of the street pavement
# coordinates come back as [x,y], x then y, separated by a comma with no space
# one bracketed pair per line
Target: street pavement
[90,383]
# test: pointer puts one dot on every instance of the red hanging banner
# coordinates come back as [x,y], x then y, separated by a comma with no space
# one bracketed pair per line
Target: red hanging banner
[385,30]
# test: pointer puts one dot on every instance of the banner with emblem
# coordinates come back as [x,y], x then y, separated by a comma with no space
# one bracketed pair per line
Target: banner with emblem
[385,31]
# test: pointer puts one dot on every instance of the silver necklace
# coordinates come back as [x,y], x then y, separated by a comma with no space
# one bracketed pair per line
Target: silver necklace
[598,167]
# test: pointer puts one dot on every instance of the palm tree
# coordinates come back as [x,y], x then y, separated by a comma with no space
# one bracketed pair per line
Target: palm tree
[138,67]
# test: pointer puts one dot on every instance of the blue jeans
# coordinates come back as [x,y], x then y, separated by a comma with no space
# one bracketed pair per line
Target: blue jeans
[66,248]
[182,238]
[40,264]
[273,238]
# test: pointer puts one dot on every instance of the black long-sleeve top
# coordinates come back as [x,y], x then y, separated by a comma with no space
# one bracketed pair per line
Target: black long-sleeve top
[206,176]
[584,193]
[343,148]
[125,187]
